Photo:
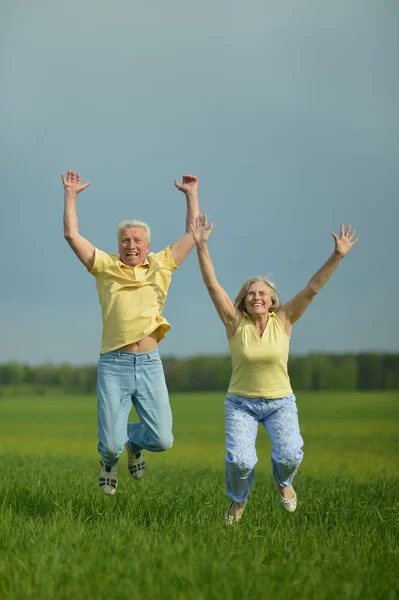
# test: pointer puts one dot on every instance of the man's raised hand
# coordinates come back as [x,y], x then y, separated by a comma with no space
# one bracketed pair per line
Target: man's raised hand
[189,184]
[72,183]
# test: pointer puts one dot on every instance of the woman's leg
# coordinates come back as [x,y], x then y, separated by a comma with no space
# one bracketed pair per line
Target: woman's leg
[240,460]
[283,428]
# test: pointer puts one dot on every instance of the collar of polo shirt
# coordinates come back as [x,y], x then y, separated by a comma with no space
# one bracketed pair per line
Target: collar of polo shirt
[144,264]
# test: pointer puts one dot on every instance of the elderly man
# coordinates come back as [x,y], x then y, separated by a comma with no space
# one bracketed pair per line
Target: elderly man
[132,290]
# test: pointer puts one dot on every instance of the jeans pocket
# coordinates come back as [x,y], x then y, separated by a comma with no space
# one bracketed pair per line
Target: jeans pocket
[151,361]
[107,358]
[236,400]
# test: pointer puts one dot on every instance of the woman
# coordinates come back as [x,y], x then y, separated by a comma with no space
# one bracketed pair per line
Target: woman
[258,329]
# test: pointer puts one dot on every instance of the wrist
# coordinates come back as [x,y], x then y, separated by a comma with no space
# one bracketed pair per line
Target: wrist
[70,194]
[337,255]
[191,194]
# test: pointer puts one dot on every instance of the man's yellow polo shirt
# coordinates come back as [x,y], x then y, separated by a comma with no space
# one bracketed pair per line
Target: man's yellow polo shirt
[132,298]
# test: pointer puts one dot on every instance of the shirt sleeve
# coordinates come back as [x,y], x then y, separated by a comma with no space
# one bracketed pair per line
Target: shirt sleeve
[101,261]
[164,259]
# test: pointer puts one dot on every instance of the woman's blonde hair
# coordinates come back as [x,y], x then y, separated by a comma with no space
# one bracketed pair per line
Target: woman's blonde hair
[239,302]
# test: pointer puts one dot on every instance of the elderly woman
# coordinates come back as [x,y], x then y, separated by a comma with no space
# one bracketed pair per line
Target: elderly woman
[258,329]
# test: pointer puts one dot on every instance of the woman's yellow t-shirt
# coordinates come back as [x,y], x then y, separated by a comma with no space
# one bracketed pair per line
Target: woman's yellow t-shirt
[260,363]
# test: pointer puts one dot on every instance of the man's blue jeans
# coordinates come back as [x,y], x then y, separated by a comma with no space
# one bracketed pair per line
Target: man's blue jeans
[123,379]
[280,419]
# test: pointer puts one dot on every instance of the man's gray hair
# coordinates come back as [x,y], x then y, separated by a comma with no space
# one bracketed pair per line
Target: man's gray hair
[135,223]
[239,302]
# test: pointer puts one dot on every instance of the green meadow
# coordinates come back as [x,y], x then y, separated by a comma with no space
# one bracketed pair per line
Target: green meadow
[165,537]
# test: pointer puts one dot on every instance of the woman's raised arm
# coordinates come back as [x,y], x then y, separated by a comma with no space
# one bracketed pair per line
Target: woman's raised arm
[224,306]
[292,310]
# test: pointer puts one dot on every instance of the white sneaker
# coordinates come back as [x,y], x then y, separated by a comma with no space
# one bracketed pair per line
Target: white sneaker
[108,479]
[135,463]
[288,505]
[230,519]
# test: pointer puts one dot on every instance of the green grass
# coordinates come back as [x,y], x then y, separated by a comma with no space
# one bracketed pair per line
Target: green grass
[165,537]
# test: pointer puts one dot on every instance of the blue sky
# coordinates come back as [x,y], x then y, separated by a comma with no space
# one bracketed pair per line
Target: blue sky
[286,111]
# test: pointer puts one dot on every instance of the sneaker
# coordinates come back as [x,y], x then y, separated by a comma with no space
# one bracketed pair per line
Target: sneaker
[135,463]
[230,519]
[288,505]
[108,479]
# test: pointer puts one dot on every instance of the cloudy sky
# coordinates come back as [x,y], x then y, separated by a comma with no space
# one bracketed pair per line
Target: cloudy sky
[287,112]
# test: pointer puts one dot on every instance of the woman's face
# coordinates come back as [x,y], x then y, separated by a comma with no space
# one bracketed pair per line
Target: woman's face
[258,299]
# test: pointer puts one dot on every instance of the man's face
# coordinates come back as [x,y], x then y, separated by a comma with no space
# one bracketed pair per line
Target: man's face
[133,246]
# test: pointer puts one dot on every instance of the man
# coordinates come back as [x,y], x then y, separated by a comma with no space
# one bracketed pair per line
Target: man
[132,290]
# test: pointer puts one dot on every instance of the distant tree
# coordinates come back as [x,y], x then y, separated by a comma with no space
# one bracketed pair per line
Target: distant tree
[368,371]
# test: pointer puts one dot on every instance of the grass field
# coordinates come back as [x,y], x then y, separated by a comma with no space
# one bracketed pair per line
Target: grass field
[165,537]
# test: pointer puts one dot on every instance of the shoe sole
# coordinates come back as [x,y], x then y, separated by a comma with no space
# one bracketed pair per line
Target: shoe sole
[112,492]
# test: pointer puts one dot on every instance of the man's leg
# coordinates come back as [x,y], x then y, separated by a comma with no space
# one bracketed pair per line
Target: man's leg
[151,401]
[115,385]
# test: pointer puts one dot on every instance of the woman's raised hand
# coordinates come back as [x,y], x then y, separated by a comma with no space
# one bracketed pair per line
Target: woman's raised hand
[201,230]
[345,241]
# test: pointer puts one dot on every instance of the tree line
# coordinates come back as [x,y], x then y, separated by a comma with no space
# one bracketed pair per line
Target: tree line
[366,371]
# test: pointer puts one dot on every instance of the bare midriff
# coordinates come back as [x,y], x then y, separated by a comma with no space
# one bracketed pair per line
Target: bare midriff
[148,343]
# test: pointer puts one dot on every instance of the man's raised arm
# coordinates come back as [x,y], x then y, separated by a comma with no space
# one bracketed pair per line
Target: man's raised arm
[83,249]
[183,246]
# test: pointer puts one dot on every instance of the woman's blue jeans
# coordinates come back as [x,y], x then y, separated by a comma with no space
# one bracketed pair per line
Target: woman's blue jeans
[280,419]
[124,379]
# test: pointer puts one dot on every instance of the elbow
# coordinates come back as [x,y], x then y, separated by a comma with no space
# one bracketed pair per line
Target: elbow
[69,237]
[313,289]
